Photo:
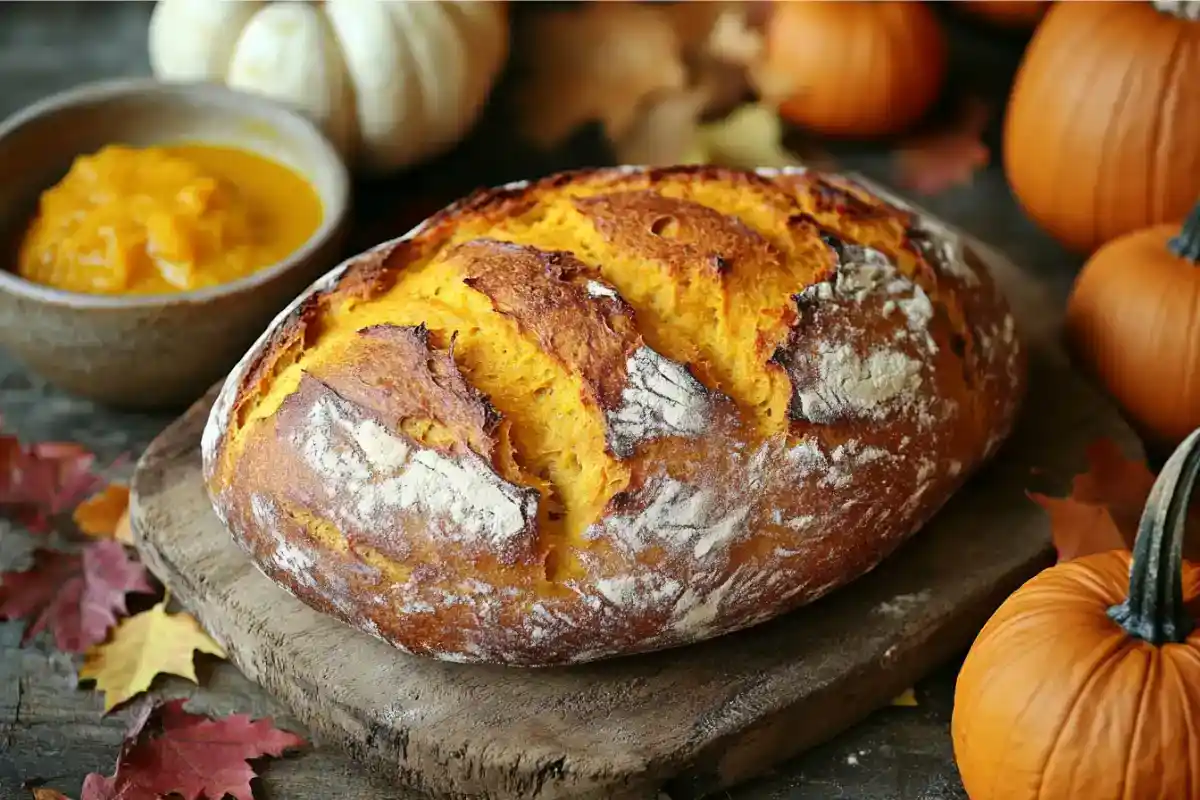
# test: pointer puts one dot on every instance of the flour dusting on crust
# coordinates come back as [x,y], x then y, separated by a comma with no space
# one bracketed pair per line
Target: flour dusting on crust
[677,517]
[374,470]
[848,385]
[661,398]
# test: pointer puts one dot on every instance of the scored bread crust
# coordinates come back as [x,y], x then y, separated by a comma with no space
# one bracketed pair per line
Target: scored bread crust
[354,455]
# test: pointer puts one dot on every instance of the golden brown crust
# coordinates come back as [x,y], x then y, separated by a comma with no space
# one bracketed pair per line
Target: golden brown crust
[547,293]
[544,429]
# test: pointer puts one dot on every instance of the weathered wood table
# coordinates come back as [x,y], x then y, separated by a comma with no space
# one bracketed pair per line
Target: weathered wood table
[53,731]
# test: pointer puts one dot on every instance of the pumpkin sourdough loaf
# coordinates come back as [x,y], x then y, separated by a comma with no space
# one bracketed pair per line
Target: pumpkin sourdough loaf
[613,411]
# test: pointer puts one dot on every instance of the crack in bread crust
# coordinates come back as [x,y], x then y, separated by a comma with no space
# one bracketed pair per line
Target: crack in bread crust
[688,400]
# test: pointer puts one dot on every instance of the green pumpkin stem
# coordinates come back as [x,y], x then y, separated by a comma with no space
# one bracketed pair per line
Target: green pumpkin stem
[1154,610]
[1187,243]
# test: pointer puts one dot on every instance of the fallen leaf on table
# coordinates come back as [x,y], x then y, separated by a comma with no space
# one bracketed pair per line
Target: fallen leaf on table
[595,62]
[143,646]
[1104,506]
[101,513]
[44,479]
[124,530]
[42,793]
[176,752]
[932,162]
[906,699]
[77,596]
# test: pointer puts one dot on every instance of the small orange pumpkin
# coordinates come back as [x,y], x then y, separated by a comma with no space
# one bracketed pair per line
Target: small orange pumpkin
[1085,684]
[1014,14]
[857,69]
[1102,132]
[1133,321]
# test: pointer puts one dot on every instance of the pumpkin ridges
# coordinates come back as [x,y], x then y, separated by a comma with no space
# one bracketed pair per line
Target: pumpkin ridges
[1156,125]
[1039,182]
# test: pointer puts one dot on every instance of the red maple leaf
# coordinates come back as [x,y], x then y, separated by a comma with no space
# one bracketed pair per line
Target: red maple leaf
[78,596]
[934,161]
[178,753]
[1104,506]
[41,480]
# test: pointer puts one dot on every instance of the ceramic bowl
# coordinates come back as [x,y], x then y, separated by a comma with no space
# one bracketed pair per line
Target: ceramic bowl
[152,351]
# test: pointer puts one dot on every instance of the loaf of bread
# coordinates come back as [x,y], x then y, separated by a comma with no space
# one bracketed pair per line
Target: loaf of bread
[613,411]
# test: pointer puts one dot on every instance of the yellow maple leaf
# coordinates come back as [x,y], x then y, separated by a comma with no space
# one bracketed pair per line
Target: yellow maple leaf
[100,515]
[907,698]
[42,793]
[143,646]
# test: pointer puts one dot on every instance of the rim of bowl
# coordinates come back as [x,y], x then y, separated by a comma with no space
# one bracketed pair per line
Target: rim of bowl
[335,212]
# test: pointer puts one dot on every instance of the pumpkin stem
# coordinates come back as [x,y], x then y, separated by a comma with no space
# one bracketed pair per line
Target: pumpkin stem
[1154,610]
[1187,243]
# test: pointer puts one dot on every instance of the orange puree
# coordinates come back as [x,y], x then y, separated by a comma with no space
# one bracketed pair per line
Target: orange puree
[166,219]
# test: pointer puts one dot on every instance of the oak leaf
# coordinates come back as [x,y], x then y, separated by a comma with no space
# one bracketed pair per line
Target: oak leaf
[100,515]
[1104,506]
[77,596]
[44,479]
[937,160]
[143,646]
[191,755]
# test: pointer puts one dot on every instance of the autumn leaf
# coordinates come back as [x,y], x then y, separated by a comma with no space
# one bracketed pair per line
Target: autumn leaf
[752,136]
[176,752]
[44,479]
[933,162]
[42,793]
[77,596]
[595,62]
[1104,506]
[143,646]
[906,699]
[124,529]
[100,515]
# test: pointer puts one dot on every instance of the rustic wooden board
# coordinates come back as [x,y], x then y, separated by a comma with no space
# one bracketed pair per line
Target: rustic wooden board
[691,720]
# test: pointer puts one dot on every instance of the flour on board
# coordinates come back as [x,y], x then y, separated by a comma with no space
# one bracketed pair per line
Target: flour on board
[370,471]
[661,398]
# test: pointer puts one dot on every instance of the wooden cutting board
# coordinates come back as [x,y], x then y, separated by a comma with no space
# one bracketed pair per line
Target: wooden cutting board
[690,720]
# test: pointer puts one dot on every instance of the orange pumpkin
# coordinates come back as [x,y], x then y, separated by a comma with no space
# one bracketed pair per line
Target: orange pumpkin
[1085,684]
[1015,14]
[857,69]
[1133,321]
[1102,134]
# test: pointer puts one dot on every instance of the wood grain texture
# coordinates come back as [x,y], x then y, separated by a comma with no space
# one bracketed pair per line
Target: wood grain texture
[693,719]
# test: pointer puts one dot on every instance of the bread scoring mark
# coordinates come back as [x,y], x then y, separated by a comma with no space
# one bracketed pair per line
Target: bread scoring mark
[369,473]
[547,293]
[661,398]
[679,518]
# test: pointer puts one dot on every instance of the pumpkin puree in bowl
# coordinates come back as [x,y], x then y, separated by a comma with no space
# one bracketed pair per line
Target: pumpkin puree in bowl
[166,219]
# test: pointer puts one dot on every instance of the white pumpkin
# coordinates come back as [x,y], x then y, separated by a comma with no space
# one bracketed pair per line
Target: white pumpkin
[392,82]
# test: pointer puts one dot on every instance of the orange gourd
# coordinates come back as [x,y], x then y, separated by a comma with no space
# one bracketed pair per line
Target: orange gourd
[856,69]
[1102,134]
[1085,684]
[1133,321]
[1015,14]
